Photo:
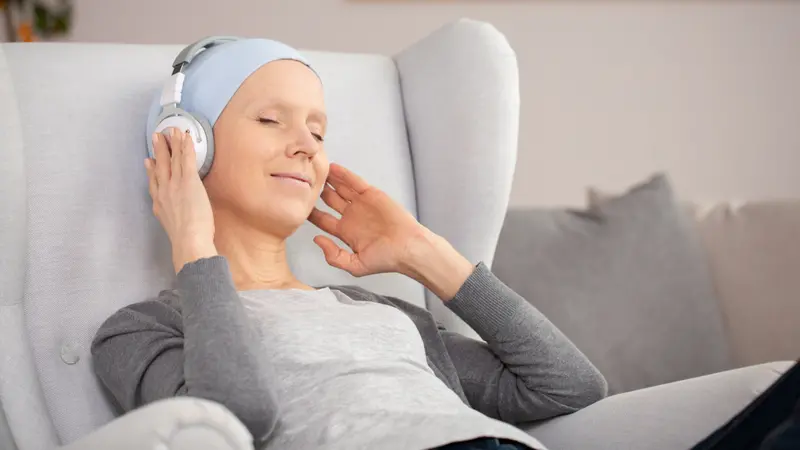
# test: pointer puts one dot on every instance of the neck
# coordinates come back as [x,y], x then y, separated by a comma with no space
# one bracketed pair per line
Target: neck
[257,258]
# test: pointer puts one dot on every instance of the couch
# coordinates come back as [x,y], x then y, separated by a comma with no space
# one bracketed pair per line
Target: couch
[670,299]
[435,126]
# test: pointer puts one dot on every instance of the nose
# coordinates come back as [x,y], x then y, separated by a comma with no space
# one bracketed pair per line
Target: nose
[303,144]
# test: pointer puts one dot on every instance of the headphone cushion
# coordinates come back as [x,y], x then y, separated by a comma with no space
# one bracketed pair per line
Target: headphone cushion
[199,129]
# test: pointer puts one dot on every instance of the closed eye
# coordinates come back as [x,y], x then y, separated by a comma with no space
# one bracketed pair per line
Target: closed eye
[317,136]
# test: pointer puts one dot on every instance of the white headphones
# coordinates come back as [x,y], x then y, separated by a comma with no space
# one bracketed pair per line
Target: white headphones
[172,115]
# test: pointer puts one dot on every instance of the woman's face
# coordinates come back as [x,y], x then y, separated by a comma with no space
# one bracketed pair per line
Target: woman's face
[270,163]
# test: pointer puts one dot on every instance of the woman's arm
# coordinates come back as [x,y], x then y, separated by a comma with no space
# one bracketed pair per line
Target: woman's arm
[203,346]
[527,369]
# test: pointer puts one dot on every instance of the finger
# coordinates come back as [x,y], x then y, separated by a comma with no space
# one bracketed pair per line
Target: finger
[334,200]
[152,181]
[162,158]
[344,191]
[343,176]
[189,164]
[324,221]
[335,255]
[176,152]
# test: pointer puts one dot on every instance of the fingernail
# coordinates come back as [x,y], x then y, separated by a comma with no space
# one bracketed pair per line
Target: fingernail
[155,138]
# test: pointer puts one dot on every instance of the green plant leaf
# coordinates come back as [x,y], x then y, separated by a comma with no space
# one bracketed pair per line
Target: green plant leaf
[41,18]
[49,22]
[61,23]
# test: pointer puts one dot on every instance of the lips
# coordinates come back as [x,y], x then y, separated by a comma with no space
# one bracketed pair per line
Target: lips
[294,176]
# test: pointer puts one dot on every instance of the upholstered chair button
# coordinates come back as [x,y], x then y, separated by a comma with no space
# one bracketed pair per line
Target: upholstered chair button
[69,355]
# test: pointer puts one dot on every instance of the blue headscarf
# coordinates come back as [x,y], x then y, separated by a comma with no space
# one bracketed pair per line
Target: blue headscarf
[216,73]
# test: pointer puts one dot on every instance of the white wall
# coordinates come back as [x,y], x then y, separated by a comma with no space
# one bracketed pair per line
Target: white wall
[612,90]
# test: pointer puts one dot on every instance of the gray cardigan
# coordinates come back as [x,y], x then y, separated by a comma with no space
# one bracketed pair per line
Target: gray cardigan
[196,340]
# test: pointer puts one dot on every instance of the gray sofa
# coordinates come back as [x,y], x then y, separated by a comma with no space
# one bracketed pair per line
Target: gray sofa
[685,309]
[76,228]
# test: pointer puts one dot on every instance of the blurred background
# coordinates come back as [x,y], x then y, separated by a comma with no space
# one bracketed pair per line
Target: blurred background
[611,90]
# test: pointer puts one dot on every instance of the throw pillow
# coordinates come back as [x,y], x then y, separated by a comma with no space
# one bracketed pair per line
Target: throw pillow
[754,249]
[626,280]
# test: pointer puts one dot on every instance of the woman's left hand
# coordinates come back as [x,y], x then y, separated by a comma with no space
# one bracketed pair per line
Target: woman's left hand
[381,233]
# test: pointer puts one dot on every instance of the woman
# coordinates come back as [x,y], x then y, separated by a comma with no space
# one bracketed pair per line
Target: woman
[332,367]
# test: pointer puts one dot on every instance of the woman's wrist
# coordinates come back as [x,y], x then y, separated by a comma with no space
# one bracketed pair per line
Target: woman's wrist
[187,252]
[437,265]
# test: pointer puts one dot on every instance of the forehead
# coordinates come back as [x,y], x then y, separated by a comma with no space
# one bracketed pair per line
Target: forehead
[285,81]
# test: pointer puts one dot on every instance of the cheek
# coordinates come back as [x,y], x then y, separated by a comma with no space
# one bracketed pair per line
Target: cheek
[322,165]
[319,185]
[248,145]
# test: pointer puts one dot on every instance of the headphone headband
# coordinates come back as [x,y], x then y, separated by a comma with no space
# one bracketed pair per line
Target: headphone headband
[173,88]
[187,54]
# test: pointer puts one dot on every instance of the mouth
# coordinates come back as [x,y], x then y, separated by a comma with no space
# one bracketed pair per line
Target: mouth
[293,176]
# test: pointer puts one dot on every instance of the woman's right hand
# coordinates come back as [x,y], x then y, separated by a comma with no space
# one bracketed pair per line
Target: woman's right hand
[180,201]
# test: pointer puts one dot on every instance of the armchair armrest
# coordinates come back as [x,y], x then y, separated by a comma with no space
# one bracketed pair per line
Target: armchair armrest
[181,423]
[670,416]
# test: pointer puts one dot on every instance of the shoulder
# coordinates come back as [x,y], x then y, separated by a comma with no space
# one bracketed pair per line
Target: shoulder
[164,305]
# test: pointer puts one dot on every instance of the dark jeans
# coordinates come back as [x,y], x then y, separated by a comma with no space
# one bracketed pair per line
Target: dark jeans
[484,444]
[770,422]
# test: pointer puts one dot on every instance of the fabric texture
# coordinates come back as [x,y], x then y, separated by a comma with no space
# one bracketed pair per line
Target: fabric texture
[754,254]
[761,424]
[172,424]
[627,281]
[484,444]
[460,91]
[671,416]
[178,343]
[24,416]
[351,374]
[753,250]
[216,73]
[785,436]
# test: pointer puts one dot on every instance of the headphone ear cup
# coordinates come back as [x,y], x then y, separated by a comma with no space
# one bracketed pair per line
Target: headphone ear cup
[199,129]
[208,141]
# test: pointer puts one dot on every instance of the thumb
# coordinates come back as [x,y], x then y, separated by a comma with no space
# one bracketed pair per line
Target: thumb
[335,255]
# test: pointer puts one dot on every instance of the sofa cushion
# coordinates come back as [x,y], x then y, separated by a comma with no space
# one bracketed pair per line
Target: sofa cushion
[627,280]
[754,249]
[754,254]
